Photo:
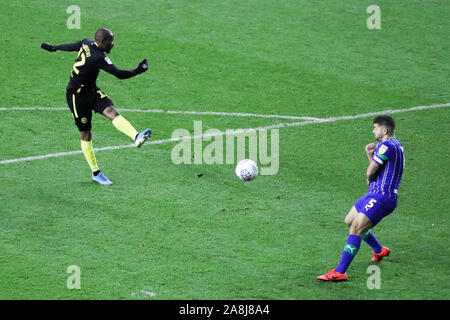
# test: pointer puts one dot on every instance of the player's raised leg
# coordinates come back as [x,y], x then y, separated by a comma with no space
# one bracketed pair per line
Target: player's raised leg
[124,126]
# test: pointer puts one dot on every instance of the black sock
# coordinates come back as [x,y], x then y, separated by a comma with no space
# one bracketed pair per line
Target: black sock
[95,173]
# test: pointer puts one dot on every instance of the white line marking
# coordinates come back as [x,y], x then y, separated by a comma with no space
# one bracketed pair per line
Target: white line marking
[212,113]
[32,109]
[234,132]
[225,114]
[148,293]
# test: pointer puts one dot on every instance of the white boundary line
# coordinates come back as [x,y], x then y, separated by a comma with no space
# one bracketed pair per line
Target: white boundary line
[213,113]
[233,132]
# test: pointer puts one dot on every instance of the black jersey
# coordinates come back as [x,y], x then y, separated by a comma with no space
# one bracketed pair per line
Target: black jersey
[89,61]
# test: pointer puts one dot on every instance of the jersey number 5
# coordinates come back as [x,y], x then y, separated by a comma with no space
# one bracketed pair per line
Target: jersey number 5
[370,204]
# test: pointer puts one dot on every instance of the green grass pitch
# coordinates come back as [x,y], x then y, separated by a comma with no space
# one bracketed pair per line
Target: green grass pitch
[163,232]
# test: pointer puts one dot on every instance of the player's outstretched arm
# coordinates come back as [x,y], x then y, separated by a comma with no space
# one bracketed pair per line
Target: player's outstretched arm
[126,74]
[74,46]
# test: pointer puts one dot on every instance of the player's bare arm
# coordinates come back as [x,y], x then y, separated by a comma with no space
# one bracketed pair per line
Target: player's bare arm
[372,171]
[370,149]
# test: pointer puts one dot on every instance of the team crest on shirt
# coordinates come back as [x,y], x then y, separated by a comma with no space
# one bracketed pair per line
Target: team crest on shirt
[382,149]
[108,60]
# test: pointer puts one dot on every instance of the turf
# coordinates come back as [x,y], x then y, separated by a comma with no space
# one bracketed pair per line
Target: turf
[195,231]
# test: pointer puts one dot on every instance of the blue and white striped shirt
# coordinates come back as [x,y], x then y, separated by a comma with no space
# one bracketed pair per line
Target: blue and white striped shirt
[389,155]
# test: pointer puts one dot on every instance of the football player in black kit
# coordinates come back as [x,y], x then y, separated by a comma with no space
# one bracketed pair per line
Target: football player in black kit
[83,95]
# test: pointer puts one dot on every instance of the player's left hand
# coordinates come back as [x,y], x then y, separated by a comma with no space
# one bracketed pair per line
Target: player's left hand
[48,47]
[143,66]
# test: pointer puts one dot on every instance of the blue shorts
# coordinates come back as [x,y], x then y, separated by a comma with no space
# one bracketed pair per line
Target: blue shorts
[375,206]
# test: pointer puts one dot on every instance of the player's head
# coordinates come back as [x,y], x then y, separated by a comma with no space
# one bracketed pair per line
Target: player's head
[383,127]
[105,39]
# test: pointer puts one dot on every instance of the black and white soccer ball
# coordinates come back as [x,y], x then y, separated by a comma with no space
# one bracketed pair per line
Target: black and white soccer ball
[246,170]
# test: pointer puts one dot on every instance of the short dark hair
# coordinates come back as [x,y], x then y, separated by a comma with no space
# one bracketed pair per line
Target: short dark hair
[387,121]
[103,34]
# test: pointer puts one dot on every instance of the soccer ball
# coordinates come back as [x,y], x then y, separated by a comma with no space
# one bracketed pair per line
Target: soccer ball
[246,169]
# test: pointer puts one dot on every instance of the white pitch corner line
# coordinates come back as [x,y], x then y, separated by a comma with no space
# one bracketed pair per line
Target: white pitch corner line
[234,132]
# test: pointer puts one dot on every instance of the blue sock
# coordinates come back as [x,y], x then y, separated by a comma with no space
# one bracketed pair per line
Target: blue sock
[370,239]
[350,250]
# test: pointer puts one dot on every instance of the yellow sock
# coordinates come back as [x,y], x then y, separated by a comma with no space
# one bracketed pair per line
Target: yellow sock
[124,126]
[88,151]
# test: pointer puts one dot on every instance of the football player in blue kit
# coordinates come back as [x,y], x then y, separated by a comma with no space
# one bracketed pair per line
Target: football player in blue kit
[384,174]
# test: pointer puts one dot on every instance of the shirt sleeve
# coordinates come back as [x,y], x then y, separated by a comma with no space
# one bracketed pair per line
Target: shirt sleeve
[107,65]
[73,46]
[383,153]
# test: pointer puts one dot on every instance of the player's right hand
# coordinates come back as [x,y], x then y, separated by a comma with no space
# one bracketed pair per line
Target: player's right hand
[48,47]
[370,149]
[143,66]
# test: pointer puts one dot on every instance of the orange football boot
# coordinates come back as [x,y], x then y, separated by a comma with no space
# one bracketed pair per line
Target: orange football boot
[333,275]
[378,256]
